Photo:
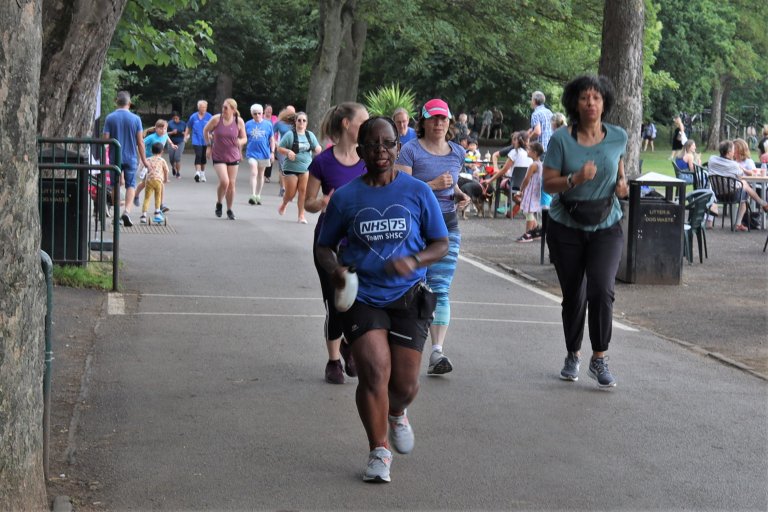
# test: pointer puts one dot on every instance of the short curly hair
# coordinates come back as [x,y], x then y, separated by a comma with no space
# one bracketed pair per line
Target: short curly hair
[575,87]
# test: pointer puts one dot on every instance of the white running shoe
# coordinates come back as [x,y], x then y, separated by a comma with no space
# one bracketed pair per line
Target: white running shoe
[438,363]
[202,176]
[401,433]
[379,461]
[197,176]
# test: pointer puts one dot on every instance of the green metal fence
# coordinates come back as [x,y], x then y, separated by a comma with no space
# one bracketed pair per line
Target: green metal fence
[79,201]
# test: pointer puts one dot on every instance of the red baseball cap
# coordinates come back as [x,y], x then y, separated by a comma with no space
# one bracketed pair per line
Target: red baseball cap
[436,107]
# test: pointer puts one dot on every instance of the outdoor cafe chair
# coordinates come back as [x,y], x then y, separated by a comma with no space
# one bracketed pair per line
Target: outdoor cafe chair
[518,175]
[682,174]
[697,206]
[728,191]
[700,177]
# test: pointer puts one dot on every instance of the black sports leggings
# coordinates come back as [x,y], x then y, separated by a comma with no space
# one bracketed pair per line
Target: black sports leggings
[333,325]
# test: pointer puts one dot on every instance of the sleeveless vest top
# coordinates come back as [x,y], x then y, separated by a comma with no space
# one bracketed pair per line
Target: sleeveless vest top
[225,147]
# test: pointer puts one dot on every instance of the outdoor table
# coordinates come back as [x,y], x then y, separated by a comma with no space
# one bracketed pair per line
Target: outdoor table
[763,182]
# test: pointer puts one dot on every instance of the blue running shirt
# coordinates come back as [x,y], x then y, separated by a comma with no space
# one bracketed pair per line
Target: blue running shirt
[382,224]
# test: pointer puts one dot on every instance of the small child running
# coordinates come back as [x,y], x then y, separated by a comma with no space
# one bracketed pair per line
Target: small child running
[531,194]
[158,133]
[157,175]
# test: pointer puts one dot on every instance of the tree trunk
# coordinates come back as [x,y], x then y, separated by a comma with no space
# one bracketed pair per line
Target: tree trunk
[76,37]
[716,118]
[324,70]
[22,296]
[224,91]
[727,88]
[350,60]
[621,60]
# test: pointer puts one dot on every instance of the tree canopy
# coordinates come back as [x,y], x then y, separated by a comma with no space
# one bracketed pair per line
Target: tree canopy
[475,58]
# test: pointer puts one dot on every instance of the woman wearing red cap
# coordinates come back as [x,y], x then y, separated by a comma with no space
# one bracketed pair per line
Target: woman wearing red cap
[435,159]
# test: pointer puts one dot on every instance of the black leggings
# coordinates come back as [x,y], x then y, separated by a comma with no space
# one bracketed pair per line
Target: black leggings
[200,157]
[333,325]
[586,264]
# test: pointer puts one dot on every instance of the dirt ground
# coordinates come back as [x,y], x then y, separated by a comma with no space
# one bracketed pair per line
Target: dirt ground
[76,314]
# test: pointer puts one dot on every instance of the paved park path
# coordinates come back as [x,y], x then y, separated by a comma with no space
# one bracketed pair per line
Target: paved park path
[206,392]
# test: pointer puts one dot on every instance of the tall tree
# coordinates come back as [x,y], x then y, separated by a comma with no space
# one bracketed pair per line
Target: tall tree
[350,59]
[22,296]
[621,60]
[741,60]
[76,37]
[335,18]
[710,48]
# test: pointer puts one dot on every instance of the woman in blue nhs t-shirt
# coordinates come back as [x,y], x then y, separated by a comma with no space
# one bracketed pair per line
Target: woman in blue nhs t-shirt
[394,229]
[435,159]
[584,166]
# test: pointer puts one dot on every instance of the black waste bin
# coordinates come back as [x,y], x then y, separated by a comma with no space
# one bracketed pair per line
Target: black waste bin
[653,226]
[64,206]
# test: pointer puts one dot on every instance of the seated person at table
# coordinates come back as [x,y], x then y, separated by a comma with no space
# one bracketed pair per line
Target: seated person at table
[472,158]
[686,159]
[725,165]
[503,151]
[517,157]
[743,157]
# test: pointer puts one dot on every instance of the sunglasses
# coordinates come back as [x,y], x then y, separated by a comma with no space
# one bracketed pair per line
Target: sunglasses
[374,146]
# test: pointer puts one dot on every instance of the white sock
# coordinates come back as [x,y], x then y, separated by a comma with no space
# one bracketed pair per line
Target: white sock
[439,348]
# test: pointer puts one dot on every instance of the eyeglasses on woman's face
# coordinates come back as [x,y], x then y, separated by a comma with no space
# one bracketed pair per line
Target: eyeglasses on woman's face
[374,146]
[301,120]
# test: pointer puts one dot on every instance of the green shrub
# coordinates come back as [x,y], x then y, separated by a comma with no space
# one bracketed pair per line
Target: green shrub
[386,99]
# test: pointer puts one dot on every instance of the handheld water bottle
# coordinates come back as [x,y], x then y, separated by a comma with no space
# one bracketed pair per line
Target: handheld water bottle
[345,297]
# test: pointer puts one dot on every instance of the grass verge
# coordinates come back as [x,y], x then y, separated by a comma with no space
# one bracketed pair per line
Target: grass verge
[94,275]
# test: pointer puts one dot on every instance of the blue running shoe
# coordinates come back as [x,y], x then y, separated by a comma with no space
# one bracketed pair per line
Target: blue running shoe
[570,369]
[598,370]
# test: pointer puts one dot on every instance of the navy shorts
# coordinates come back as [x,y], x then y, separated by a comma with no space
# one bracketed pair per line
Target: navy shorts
[129,175]
[406,319]
[200,155]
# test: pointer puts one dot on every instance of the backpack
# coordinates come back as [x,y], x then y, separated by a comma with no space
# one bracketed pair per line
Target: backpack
[295,145]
